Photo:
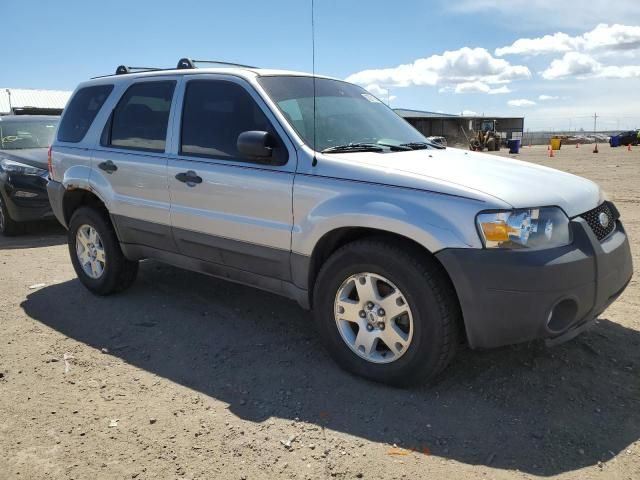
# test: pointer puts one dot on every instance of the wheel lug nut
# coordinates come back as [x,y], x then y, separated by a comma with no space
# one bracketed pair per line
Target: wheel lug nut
[369,327]
[381,312]
[370,305]
[362,314]
[381,325]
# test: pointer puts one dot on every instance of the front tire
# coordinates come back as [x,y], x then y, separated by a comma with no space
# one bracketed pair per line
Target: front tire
[96,255]
[387,313]
[8,226]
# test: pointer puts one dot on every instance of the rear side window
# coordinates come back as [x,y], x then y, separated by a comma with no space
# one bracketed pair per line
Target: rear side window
[140,120]
[215,113]
[81,111]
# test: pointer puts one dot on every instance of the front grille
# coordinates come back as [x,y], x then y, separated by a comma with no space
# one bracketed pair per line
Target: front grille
[592,217]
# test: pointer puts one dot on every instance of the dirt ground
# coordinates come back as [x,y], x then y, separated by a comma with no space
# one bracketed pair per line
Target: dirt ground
[185,376]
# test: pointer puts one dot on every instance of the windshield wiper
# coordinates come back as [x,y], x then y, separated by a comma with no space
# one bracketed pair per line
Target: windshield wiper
[422,145]
[396,148]
[354,147]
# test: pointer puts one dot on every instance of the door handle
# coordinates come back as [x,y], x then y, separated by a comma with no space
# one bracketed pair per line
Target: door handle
[191,178]
[108,166]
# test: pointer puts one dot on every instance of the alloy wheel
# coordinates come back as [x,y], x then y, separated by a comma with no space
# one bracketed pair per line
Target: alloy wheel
[90,251]
[373,317]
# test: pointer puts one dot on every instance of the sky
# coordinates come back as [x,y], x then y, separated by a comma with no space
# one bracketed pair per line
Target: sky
[554,62]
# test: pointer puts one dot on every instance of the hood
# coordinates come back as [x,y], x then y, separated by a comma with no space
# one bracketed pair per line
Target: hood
[35,157]
[477,175]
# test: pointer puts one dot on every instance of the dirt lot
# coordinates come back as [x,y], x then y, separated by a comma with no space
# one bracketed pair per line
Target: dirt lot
[185,376]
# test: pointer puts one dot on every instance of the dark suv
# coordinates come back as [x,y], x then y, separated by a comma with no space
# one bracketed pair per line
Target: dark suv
[24,140]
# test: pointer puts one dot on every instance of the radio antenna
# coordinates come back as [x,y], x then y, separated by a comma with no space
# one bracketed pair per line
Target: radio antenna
[313,71]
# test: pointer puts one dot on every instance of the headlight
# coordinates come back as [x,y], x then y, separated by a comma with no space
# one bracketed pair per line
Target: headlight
[20,168]
[532,228]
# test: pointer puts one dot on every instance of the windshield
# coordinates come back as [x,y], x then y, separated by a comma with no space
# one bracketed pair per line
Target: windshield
[21,134]
[345,114]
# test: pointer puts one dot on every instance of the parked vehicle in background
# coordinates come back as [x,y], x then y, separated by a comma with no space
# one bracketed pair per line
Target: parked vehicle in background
[312,188]
[628,138]
[24,141]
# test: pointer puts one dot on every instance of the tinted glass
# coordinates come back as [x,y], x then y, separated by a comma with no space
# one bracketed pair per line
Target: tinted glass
[215,113]
[81,111]
[140,120]
[344,113]
[19,135]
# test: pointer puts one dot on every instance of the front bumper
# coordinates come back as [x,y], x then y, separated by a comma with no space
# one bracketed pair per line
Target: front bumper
[511,296]
[25,197]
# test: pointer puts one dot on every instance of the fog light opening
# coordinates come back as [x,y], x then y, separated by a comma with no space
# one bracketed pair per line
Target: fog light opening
[562,315]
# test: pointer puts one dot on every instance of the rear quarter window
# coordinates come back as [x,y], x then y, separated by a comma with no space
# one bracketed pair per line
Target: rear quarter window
[81,112]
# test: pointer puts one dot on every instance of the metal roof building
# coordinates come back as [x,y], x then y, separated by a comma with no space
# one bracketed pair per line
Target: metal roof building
[458,129]
[33,102]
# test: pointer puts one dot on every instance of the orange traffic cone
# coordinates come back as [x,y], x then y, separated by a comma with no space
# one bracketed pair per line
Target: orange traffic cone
[577,145]
[629,147]
[595,149]
[551,154]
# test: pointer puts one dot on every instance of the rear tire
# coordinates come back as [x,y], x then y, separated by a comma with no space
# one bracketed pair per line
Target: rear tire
[112,272]
[431,304]
[8,226]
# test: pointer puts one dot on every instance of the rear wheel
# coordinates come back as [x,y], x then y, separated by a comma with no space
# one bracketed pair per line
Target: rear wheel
[386,313]
[96,254]
[8,226]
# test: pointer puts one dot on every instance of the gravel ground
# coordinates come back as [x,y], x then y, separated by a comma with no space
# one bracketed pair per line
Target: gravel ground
[185,376]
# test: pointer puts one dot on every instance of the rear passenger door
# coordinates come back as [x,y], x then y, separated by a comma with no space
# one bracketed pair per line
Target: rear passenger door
[130,163]
[238,211]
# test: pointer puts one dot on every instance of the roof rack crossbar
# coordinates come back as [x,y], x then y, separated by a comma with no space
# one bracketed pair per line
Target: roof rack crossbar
[187,63]
[124,69]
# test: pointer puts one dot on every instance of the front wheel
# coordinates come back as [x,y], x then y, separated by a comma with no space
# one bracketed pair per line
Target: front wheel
[386,313]
[96,254]
[8,226]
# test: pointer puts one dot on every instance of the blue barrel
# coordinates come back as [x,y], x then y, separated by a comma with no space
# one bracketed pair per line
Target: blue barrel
[514,146]
[614,141]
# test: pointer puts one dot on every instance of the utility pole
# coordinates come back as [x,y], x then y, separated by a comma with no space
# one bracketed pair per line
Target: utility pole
[9,96]
[595,129]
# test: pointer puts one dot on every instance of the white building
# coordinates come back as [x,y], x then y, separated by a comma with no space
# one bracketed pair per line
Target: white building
[33,102]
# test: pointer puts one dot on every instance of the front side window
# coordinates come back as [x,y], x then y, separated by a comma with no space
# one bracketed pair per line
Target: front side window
[345,114]
[141,118]
[215,113]
[81,111]
[20,135]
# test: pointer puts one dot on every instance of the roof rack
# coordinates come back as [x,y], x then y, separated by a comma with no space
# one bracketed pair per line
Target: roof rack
[123,69]
[183,64]
[188,63]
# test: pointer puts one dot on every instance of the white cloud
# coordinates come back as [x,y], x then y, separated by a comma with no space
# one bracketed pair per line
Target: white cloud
[475,87]
[572,64]
[467,65]
[627,71]
[381,93]
[615,37]
[581,65]
[499,90]
[544,98]
[558,42]
[469,113]
[602,38]
[522,102]
[376,90]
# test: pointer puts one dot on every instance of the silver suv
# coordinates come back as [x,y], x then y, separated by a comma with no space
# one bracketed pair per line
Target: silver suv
[311,188]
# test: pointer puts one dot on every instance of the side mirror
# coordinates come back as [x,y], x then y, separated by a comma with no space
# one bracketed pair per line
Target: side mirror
[255,143]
